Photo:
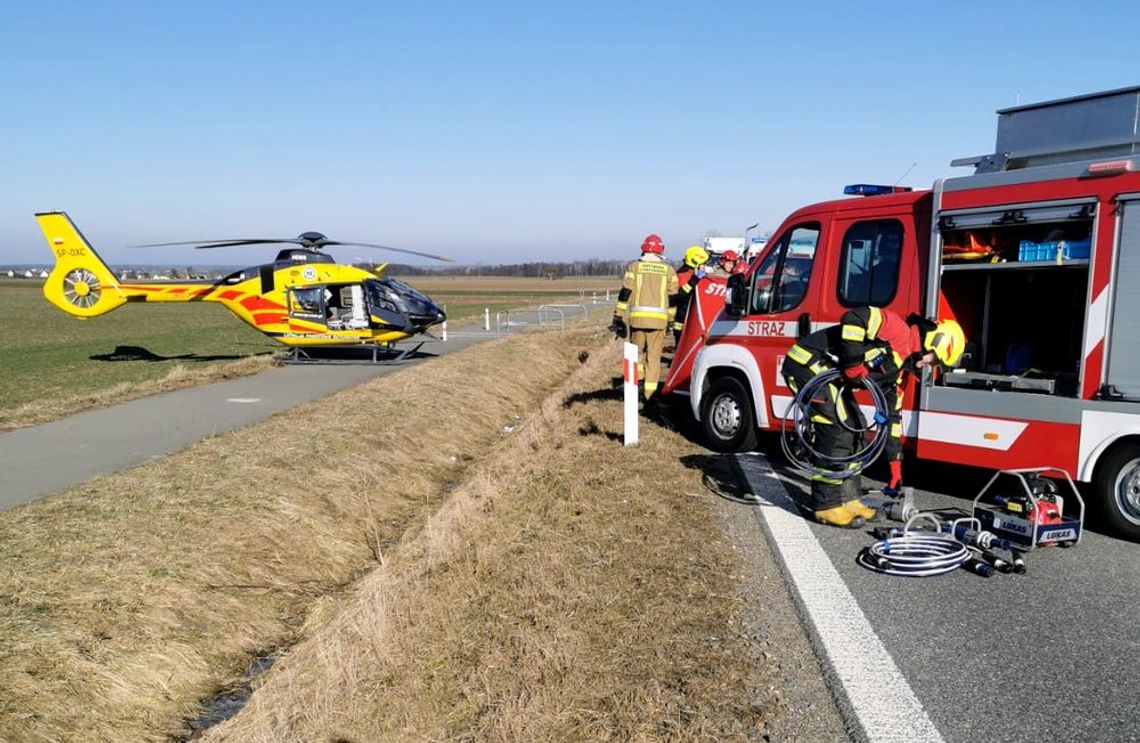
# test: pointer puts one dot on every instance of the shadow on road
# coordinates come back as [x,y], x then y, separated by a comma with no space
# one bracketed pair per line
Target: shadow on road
[138,353]
[725,475]
[359,355]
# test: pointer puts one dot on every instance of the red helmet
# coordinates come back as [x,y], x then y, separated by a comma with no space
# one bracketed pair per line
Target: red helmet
[652,244]
[729,256]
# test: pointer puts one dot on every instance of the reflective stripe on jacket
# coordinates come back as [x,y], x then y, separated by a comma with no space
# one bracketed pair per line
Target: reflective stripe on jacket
[867,332]
[651,283]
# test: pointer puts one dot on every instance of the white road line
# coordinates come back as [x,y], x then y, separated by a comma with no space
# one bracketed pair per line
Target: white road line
[243,399]
[877,695]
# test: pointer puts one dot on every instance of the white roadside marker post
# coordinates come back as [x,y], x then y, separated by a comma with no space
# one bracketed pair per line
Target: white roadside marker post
[629,374]
[444,327]
[487,319]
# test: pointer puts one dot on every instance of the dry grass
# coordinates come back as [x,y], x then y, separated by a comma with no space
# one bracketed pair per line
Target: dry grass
[570,590]
[442,578]
[125,601]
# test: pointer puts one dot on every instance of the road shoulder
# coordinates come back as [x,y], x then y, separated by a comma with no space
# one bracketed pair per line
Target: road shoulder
[776,636]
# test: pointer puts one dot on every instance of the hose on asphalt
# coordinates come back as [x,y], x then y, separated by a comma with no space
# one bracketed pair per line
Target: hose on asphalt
[917,553]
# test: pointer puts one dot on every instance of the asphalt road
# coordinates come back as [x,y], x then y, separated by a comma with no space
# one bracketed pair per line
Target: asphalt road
[45,459]
[1053,654]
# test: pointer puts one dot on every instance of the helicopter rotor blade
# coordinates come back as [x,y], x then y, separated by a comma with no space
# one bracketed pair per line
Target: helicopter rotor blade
[218,243]
[244,243]
[394,250]
[310,244]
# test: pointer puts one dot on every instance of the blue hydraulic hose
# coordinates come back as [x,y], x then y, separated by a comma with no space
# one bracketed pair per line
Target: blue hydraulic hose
[796,440]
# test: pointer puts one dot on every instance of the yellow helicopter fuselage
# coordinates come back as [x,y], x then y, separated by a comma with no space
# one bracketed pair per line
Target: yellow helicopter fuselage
[304,298]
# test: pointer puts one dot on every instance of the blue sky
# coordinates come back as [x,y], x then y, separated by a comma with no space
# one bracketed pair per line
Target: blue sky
[503,132]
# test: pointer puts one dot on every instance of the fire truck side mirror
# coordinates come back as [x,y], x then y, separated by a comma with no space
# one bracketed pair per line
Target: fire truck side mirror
[736,296]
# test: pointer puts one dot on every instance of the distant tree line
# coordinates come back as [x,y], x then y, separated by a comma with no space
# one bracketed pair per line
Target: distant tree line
[591,267]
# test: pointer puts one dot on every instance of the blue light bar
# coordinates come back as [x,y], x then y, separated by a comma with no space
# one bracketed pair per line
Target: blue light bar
[870,189]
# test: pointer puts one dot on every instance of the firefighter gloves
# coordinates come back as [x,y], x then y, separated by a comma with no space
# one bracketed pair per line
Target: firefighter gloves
[617,327]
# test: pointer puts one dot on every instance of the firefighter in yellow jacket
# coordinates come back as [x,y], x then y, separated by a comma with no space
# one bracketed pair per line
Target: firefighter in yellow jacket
[645,305]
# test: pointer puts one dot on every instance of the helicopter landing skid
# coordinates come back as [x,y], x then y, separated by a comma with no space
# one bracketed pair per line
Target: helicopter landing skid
[352,355]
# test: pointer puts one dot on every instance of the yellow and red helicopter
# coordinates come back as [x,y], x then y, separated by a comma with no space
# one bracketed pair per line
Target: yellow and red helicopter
[303,298]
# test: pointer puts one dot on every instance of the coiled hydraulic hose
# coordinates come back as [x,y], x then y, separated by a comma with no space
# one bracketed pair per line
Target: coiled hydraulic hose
[796,440]
[917,553]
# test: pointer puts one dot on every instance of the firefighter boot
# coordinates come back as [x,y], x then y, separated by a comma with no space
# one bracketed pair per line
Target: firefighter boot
[839,516]
[859,508]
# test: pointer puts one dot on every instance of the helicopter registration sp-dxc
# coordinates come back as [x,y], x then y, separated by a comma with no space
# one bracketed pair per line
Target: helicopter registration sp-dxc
[303,298]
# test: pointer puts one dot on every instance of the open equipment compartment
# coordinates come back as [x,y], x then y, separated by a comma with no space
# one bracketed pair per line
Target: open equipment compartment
[1016,279]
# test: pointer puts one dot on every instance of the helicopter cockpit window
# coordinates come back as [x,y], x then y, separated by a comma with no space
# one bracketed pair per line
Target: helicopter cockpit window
[306,301]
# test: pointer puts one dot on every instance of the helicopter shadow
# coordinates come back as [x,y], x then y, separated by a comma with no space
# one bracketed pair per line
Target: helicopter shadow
[138,353]
[361,355]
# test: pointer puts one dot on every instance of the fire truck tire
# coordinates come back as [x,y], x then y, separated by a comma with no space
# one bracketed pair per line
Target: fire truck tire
[727,418]
[1117,490]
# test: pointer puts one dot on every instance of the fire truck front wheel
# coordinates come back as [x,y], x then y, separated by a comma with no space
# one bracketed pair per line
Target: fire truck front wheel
[727,419]
[1118,490]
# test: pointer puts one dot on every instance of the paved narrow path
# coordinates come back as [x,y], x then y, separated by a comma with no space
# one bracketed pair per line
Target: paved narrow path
[45,459]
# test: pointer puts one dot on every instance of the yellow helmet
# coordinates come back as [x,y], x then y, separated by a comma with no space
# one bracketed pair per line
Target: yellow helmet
[947,341]
[695,256]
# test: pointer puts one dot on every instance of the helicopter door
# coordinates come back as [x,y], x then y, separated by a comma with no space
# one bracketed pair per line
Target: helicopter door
[344,307]
[307,303]
[266,275]
[358,318]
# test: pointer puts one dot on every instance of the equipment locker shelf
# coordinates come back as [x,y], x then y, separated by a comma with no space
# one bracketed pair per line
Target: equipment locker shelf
[1023,317]
[1015,265]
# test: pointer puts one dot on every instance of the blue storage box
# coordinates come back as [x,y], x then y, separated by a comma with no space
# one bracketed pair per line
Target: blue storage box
[1076,249]
[1048,251]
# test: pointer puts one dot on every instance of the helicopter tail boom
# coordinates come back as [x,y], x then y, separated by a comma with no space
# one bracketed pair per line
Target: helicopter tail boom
[80,284]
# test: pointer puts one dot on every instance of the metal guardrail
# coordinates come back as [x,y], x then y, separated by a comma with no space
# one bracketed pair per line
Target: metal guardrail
[595,297]
[506,320]
[582,307]
[549,316]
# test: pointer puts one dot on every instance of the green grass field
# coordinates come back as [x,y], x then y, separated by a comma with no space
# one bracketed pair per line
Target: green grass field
[48,354]
[52,364]
[465,297]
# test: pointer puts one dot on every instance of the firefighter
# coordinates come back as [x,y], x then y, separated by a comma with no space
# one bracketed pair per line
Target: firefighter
[648,292]
[867,342]
[728,263]
[690,275]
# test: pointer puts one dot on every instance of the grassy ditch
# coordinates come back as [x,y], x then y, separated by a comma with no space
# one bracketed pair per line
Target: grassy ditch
[127,600]
[570,590]
[461,551]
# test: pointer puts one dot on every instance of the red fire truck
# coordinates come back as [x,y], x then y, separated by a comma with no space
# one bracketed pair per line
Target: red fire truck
[1036,254]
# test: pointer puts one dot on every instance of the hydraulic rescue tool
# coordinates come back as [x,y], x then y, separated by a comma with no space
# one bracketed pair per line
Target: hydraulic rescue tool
[939,548]
[897,505]
[1028,510]
[1024,512]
